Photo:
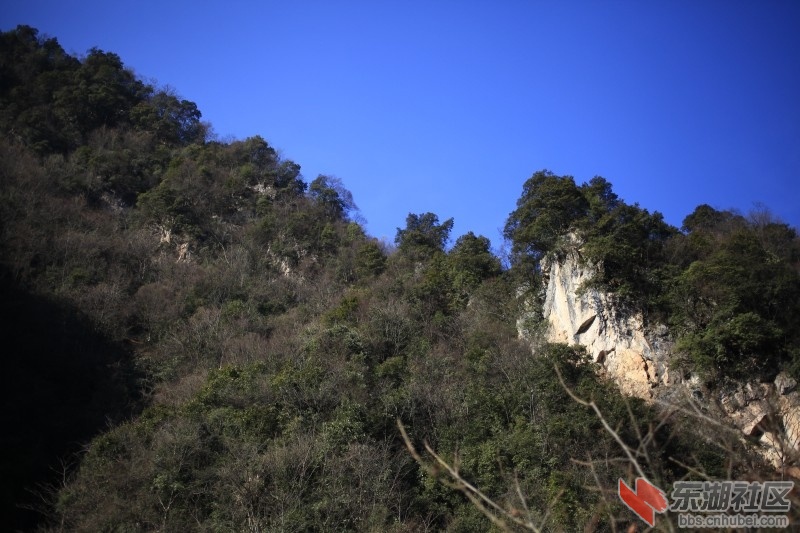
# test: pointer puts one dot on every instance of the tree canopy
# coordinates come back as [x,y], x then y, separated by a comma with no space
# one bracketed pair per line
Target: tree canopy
[550,206]
[423,234]
[53,101]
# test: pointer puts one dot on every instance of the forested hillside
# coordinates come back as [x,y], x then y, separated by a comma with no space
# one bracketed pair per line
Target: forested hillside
[198,338]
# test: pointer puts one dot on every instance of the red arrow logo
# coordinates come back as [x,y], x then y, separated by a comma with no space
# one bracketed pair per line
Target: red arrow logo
[645,501]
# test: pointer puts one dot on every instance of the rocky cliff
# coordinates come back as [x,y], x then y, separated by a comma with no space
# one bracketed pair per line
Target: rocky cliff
[637,357]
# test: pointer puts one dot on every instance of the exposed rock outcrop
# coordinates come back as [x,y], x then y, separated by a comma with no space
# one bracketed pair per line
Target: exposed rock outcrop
[769,412]
[637,357]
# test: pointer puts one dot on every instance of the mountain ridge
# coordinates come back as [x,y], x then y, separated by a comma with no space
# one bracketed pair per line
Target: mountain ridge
[261,346]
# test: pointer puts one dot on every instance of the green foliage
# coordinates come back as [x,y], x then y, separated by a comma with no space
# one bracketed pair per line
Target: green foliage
[423,236]
[628,243]
[548,209]
[371,260]
[624,242]
[53,101]
[736,304]
[472,262]
[343,313]
[170,120]
[334,200]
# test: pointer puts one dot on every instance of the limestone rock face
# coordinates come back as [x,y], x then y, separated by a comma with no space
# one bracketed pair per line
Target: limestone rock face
[769,412]
[748,407]
[636,361]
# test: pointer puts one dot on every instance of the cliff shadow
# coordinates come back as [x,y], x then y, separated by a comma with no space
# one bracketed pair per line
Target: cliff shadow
[62,382]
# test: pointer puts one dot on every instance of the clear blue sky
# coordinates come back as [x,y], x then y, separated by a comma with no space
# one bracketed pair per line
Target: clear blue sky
[450,106]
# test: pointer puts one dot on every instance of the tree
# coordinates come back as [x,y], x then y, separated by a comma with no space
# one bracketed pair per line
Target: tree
[472,262]
[423,235]
[105,90]
[735,306]
[707,219]
[329,193]
[256,157]
[288,180]
[173,121]
[628,242]
[550,206]
[371,260]
[32,69]
[601,198]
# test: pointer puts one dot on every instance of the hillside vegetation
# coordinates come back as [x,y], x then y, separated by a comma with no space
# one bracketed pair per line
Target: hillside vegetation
[198,339]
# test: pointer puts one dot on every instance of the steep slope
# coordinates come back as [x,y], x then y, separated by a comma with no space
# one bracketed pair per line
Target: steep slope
[638,359]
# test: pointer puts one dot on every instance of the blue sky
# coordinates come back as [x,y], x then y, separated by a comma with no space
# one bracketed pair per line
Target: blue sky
[450,106]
